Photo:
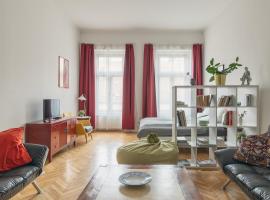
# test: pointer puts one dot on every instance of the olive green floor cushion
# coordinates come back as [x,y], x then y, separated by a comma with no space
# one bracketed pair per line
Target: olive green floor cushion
[142,153]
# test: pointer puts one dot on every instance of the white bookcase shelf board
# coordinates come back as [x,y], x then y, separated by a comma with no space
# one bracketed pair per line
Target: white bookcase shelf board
[213,107]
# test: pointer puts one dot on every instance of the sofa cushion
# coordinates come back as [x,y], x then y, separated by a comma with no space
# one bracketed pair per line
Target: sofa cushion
[27,172]
[8,184]
[12,152]
[252,181]
[255,150]
[236,169]
[263,192]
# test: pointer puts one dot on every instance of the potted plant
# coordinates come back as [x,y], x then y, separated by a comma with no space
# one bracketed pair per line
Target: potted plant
[219,71]
[81,113]
[241,135]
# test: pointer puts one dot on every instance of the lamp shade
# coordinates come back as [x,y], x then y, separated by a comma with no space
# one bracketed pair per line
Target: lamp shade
[82,98]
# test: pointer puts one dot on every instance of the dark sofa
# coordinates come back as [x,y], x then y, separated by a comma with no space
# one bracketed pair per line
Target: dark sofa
[253,180]
[13,181]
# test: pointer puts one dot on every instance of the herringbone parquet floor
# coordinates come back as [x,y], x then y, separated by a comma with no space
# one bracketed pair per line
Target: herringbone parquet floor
[70,171]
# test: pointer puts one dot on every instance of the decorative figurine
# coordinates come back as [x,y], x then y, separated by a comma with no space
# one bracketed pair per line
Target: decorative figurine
[246,77]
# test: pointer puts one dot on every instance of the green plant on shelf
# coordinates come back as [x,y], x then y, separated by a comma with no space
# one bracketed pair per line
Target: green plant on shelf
[220,69]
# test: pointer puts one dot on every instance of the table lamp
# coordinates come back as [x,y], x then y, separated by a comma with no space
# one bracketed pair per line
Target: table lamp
[82,98]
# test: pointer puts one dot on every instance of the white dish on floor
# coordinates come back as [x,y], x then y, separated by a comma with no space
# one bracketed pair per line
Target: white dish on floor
[135,178]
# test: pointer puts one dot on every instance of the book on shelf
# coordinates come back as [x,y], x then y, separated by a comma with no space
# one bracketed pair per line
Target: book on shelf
[204,100]
[228,118]
[225,101]
[181,118]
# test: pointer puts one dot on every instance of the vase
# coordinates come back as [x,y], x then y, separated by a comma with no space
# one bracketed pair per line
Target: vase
[240,121]
[220,79]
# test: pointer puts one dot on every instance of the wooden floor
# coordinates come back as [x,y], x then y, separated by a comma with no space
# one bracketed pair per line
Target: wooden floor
[69,172]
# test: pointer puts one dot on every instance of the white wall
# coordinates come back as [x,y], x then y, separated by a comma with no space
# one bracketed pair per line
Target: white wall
[243,30]
[139,38]
[33,34]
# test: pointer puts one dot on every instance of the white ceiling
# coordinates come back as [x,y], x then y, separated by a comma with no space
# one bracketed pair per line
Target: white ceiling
[143,14]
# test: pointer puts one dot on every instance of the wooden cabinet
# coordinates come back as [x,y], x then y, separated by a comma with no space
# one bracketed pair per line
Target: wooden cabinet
[56,134]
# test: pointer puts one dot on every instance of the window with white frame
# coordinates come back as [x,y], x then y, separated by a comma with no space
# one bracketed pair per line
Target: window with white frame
[171,68]
[109,87]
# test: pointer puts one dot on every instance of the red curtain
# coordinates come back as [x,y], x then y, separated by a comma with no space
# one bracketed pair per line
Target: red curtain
[128,89]
[149,107]
[197,68]
[87,79]
[197,71]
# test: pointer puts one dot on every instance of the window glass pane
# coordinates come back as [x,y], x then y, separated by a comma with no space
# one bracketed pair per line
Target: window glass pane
[178,65]
[116,64]
[164,95]
[171,69]
[102,64]
[116,93]
[102,94]
[165,64]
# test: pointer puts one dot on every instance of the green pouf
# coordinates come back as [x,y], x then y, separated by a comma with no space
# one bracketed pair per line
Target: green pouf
[142,152]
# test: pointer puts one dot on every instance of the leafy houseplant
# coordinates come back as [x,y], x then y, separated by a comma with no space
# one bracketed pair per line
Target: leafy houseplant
[81,113]
[219,72]
[241,135]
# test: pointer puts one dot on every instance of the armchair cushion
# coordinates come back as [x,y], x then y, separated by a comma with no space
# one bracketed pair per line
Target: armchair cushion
[88,128]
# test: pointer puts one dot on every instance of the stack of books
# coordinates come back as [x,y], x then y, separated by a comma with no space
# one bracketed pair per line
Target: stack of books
[204,100]
[225,101]
[201,141]
[206,163]
[182,141]
[181,118]
[228,118]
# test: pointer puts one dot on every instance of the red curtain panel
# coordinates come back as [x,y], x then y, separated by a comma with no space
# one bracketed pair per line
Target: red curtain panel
[87,79]
[128,89]
[197,67]
[197,71]
[149,107]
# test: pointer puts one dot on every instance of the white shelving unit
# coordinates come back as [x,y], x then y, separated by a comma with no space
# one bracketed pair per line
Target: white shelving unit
[188,95]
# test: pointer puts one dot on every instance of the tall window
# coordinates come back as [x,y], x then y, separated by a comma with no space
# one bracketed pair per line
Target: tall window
[109,88]
[171,68]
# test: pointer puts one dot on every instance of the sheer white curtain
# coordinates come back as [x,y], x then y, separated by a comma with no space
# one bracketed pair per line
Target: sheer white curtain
[172,63]
[109,86]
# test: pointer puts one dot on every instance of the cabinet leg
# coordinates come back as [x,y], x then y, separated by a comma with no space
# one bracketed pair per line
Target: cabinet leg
[50,158]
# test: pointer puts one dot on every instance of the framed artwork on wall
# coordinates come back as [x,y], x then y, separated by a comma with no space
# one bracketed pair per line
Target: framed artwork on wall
[63,72]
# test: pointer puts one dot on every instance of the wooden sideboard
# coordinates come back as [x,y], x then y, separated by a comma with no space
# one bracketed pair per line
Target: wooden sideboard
[56,134]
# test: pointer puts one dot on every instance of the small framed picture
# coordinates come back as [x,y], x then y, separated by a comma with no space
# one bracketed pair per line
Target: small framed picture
[63,72]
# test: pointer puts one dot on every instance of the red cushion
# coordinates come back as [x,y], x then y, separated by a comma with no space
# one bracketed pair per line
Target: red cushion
[12,151]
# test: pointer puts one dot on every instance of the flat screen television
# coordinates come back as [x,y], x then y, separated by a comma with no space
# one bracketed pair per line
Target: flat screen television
[51,109]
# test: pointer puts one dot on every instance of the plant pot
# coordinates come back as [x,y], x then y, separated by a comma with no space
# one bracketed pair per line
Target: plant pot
[220,79]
